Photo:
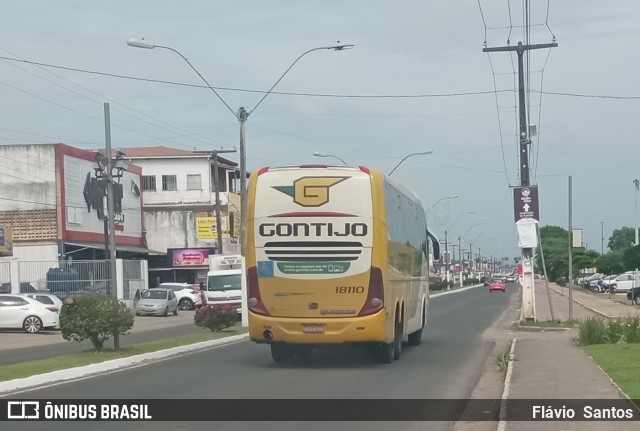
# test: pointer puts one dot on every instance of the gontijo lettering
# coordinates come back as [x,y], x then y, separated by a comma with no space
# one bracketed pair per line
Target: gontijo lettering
[308,229]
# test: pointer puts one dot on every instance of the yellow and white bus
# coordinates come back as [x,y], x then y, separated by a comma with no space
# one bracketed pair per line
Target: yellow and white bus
[335,254]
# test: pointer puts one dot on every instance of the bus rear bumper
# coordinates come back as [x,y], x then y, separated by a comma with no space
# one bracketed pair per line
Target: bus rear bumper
[266,329]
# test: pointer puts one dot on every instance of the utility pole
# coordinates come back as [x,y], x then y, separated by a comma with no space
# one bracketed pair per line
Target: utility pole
[110,215]
[447,260]
[636,183]
[601,237]
[570,277]
[528,298]
[460,260]
[242,117]
[216,185]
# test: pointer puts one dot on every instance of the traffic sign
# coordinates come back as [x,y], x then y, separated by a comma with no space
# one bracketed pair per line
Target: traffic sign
[525,203]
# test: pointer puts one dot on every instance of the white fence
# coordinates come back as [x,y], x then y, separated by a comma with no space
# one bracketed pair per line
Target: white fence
[67,276]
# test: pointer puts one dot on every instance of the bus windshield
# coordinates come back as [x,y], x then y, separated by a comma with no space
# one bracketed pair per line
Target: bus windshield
[224,282]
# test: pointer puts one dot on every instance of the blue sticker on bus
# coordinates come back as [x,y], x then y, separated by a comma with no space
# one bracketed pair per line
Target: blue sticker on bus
[265,269]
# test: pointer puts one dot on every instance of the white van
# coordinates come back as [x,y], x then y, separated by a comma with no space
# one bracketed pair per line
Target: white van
[224,281]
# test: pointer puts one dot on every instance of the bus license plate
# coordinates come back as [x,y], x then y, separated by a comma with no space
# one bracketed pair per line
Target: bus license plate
[313,328]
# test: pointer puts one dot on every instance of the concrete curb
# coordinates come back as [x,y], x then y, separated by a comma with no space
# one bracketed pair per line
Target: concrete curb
[585,306]
[462,289]
[502,424]
[525,328]
[113,365]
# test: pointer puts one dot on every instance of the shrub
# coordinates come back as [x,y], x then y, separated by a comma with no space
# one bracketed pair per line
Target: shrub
[631,329]
[594,330]
[615,331]
[440,285]
[471,281]
[95,317]
[216,317]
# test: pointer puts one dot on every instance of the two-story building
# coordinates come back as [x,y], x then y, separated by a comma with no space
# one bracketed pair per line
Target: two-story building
[46,209]
[179,209]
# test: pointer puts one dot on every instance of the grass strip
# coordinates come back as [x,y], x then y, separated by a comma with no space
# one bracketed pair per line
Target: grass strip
[87,357]
[620,362]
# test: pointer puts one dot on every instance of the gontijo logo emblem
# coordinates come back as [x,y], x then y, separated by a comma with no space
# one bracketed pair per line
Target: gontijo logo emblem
[310,191]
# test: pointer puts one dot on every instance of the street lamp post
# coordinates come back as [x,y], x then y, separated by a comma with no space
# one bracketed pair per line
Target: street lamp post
[440,200]
[472,226]
[319,154]
[242,115]
[456,221]
[424,153]
[480,234]
[475,241]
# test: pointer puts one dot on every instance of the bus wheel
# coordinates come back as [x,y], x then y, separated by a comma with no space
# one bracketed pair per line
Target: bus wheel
[415,338]
[281,353]
[397,342]
[383,353]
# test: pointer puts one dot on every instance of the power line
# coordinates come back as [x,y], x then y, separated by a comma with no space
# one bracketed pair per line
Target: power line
[245,90]
[287,93]
[504,161]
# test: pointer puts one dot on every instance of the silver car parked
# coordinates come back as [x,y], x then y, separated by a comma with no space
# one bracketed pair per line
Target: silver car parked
[157,301]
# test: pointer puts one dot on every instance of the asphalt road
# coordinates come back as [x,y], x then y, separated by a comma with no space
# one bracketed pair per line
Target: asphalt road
[447,365]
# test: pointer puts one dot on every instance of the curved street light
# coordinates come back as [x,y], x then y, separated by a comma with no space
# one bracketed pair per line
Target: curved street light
[472,226]
[440,200]
[424,153]
[242,115]
[479,235]
[319,154]
[454,223]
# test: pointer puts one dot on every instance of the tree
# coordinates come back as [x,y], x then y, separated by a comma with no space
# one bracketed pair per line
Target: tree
[95,317]
[631,258]
[583,258]
[554,241]
[622,238]
[611,263]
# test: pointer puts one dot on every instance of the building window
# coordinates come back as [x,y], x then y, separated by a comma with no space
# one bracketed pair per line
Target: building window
[149,182]
[169,183]
[194,182]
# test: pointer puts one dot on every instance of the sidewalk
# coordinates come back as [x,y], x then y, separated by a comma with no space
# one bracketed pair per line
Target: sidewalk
[549,365]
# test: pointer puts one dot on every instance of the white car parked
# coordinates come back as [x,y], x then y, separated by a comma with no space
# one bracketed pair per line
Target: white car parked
[624,282]
[20,311]
[47,299]
[188,296]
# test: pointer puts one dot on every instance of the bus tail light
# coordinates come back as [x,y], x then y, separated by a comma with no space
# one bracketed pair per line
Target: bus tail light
[375,296]
[253,289]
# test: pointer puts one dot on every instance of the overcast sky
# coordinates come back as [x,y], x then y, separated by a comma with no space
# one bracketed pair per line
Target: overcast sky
[425,58]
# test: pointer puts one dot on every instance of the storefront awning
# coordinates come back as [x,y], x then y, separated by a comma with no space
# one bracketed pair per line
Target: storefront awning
[119,247]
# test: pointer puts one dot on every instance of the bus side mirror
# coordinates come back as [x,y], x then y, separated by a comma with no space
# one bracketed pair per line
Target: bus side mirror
[435,243]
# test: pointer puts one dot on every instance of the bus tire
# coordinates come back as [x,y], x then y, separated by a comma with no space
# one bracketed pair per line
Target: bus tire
[415,338]
[281,353]
[303,353]
[384,353]
[397,342]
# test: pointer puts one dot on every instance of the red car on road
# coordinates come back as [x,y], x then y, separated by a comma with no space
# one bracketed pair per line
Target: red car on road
[498,284]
